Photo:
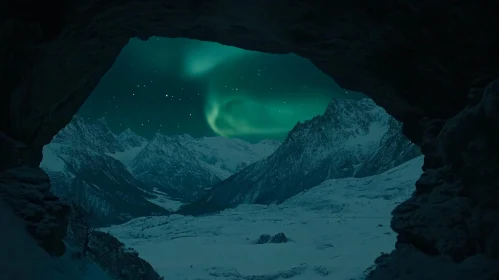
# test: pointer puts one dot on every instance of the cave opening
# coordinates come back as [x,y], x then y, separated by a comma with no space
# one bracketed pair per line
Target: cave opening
[429,65]
[175,121]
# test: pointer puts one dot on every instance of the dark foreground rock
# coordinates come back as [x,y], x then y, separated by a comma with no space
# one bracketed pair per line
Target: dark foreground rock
[27,192]
[449,229]
[117,260]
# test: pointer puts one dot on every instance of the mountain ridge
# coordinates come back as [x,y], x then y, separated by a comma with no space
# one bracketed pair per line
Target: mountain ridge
[353,138]
[119,176]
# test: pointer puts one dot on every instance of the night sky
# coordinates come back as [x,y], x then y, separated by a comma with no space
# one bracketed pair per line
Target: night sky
[178,86]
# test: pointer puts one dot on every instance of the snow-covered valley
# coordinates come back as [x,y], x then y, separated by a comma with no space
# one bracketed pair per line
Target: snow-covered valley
[335,231]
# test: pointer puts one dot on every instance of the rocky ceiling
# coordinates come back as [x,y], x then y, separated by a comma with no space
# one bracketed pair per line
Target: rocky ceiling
[418,59]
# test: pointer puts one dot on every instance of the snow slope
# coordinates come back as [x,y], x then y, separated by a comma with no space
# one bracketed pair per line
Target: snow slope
[21,258]
[336,230]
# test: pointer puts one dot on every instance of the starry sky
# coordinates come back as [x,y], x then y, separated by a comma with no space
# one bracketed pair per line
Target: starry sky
[178,86]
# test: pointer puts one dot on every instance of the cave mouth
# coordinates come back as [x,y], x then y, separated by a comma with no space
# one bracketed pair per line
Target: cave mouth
[150,132]
[430,65]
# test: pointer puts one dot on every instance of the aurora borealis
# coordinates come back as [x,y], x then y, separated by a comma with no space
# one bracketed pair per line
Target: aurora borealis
[178,86]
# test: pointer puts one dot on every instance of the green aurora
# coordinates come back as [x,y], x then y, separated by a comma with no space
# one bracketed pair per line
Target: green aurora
[200,88]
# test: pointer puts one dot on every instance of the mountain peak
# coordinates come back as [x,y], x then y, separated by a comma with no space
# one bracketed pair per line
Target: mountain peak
[127,131]
[102,122]
[184,137]
[129,139]
[349,135]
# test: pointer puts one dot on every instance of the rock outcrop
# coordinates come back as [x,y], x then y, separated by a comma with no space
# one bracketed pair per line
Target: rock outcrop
[452,221]
[416,59]
[27,191]
[267,238]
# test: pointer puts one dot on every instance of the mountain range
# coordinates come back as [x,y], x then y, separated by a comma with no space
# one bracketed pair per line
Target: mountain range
[351,139]
[117,177]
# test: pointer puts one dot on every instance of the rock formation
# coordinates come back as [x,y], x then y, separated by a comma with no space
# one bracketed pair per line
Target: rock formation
[450,226]
[416,59]
[267,238]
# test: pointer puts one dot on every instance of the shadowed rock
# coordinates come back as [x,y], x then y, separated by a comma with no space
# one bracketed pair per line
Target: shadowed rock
[279,238]
[266,238]
[26,191]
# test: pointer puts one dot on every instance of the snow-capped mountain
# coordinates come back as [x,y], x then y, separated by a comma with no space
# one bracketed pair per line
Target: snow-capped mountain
[393,150]
[352,138]
[335,231]
[186,167]
[229,155]
[82,171]
[92,136]
[167,164]
[119,177]
[130,140]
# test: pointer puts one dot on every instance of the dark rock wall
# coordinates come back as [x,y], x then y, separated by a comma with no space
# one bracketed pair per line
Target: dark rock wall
[452,221]
[27,192]
[417,59]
